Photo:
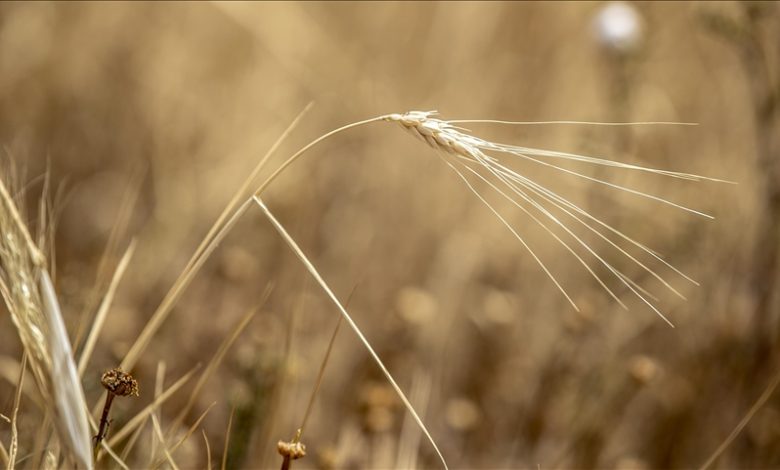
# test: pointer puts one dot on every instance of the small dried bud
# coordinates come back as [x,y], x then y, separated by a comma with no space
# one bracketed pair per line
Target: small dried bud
[119,383]
[293,450]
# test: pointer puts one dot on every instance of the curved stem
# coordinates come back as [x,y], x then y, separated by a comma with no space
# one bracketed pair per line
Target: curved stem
[242,191]
[218,230]
[324,286]
[311,144]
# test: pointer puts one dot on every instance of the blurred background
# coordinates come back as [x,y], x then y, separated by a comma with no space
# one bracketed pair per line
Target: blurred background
[148,118]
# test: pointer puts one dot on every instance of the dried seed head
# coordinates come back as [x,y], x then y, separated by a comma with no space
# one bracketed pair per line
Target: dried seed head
[293,450]
[119,383]
[480,161]
[441,135]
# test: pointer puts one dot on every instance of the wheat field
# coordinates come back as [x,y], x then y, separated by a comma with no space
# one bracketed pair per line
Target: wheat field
[139,122]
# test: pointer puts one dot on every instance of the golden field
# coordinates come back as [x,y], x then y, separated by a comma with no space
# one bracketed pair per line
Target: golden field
[148,118]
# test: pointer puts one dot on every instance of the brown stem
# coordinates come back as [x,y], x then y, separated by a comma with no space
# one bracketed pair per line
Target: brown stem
[286,463]
[103,428]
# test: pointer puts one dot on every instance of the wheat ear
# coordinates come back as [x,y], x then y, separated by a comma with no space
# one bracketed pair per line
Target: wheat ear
[29,294]
[468,155]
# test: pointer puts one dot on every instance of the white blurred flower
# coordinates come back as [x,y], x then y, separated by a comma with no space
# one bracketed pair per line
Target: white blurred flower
[619,27]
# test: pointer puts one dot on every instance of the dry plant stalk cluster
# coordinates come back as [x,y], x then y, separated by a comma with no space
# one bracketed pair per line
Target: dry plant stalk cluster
[29,294]
[153,123]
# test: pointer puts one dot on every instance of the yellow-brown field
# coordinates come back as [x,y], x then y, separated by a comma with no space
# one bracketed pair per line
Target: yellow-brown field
[149,116]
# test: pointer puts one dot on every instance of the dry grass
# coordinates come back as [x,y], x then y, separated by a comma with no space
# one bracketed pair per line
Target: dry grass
[163,121]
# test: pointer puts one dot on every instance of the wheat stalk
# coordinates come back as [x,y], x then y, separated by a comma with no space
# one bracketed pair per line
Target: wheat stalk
[28,292]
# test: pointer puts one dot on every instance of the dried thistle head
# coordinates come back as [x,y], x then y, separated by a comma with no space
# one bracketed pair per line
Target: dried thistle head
[119,383]
[293,450]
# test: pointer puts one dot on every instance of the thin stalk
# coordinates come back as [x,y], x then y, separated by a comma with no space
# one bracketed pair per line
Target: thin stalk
[217,359]
[744,422]
[227,440]
[286,458]
[311,144]
[324,286]
[105,305]
[245,186]
[215,235]
[103,428]
[175,293]
[319,381]
[208,449]
[17,400]
[321,372]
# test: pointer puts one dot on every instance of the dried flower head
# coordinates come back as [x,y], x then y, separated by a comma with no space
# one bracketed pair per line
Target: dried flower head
[294,450]
[119,383]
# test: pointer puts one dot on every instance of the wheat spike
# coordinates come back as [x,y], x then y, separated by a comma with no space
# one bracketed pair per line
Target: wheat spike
[29,294]
[468,155]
